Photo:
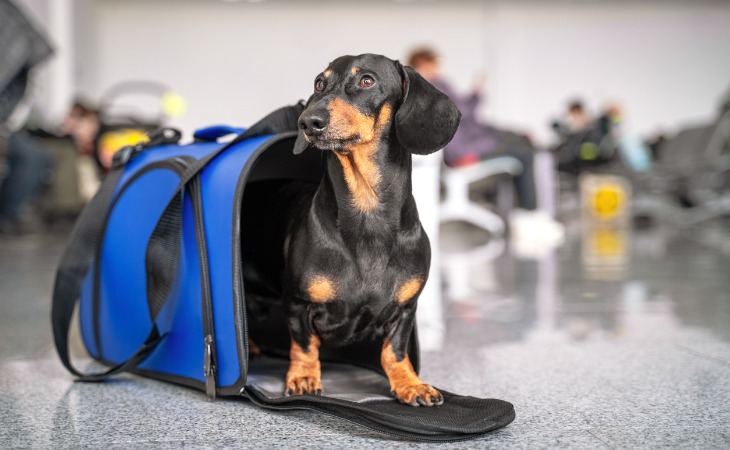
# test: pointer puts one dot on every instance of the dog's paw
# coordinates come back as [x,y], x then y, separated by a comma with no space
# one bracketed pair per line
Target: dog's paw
[254,351]
[418,395]
[301,385]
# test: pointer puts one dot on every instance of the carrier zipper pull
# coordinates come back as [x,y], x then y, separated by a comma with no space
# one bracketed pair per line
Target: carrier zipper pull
[209,368]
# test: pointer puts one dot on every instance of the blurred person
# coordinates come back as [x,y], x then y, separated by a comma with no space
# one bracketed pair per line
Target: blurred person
[584,142]
[616,132]
[577,117]
[477,142]
[610,119]
[82,124]
[28,165]
[24,163]
[575,120]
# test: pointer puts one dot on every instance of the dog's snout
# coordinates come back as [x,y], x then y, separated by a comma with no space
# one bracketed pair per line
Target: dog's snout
[314,123]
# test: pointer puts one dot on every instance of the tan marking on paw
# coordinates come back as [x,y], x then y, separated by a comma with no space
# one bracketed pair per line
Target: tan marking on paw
[418,395]
[404,383]
[304,375]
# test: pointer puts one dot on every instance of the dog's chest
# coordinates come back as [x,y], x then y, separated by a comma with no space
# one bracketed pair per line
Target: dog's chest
[360,311]
[365,297]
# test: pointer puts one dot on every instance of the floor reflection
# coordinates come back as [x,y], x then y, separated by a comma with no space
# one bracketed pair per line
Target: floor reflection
[604,283]
[614,337]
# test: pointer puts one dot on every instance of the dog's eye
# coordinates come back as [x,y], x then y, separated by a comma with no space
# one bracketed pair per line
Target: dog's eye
[366,81]
[319,85]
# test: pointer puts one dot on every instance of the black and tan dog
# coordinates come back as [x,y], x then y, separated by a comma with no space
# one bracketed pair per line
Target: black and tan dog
[350,254]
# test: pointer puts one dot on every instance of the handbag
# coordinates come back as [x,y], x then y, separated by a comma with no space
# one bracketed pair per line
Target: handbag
[154,263]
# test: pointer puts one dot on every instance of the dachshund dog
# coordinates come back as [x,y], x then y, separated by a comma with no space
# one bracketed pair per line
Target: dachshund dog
[350,253]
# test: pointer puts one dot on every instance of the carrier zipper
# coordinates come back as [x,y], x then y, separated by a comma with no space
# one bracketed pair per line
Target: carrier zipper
[209,368]
[209,355]
[239,305]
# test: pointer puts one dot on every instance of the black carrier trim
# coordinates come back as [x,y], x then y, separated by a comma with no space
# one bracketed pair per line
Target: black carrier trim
[239,298]
[179,165]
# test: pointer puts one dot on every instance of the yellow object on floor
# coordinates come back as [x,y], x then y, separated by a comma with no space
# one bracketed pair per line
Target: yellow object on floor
[605,198]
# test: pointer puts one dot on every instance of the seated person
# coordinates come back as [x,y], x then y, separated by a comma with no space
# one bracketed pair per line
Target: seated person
[28,165]
[475,141]
[82,124]
[577,119]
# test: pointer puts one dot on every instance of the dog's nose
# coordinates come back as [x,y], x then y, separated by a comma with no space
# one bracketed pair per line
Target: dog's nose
[314,123]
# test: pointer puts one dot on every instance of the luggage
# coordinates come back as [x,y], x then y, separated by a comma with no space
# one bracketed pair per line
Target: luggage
[155,265]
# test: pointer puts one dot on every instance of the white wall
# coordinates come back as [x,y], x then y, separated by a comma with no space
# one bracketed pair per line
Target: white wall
[666,62]
[236,61]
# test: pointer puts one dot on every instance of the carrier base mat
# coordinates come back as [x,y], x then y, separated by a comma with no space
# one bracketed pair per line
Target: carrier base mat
[362,396]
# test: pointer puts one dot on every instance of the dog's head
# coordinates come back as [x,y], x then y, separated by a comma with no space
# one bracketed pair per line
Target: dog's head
[357,98]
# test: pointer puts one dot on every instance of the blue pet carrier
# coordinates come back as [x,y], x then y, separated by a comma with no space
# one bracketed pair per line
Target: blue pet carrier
[155,265]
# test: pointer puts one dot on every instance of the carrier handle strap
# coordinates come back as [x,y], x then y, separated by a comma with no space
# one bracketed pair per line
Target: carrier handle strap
[215,132]
[87,234]
[279,121]
[75,262]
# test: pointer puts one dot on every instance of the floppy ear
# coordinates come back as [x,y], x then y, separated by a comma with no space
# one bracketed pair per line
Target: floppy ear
[427,119]
[301,144]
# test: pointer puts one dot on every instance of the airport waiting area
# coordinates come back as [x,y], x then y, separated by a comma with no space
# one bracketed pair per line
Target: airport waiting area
[538,261]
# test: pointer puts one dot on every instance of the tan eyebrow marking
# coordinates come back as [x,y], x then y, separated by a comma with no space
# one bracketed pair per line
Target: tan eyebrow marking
[328,72]
[354,70]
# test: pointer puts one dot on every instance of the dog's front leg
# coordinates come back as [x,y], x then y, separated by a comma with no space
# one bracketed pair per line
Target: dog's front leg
[304,375]
[404,383]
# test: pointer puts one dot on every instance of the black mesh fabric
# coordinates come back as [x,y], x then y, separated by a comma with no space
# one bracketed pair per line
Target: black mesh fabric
[459,418]
[163,255]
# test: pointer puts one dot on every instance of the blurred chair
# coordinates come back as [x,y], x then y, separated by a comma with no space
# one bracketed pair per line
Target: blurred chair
[457,205]
[706,177]
[690,182]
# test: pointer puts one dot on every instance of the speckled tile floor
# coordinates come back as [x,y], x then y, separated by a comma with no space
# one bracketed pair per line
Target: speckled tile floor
[614,340]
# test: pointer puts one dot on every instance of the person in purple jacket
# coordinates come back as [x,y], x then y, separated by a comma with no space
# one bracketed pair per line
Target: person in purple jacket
[475,141]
